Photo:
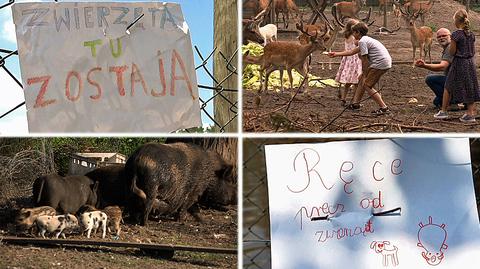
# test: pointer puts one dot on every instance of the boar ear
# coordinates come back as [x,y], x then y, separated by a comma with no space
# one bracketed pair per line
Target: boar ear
[28,213]
[225,172]
[95,186]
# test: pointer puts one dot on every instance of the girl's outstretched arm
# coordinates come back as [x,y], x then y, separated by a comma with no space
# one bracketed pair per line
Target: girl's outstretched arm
[344,53]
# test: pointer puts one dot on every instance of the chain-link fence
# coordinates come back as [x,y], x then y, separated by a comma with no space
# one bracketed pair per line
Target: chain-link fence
[256,220]
[218,93]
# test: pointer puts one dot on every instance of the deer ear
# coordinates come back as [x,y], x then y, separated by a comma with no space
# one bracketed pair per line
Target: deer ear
[298,26]
[386,242]
[372,245]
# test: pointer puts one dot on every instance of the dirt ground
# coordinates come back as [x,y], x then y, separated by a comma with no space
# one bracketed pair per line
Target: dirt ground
[218,230]
[402,88]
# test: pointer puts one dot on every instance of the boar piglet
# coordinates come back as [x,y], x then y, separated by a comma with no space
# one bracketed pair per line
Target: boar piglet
[114,214]
[26,217]
[92,220]
[56,224]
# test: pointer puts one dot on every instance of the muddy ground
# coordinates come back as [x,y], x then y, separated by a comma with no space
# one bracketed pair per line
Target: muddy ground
[402,88]
[218,230]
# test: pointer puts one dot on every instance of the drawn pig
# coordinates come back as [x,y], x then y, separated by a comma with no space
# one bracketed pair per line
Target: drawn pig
[432,237]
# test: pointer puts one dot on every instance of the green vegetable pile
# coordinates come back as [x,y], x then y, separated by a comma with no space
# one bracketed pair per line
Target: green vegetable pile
[251,74]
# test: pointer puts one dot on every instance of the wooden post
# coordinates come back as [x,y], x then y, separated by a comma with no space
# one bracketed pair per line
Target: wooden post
[385,13]
[225,40]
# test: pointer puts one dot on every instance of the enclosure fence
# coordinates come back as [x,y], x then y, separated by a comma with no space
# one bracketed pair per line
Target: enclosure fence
[218,92]
[256,220]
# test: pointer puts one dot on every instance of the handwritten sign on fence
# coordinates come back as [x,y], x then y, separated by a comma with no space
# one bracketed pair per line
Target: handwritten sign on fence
[106,67]
[398,203]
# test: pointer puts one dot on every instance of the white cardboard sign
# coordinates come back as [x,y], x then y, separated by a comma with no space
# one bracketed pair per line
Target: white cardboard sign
[83,71]
[326,203]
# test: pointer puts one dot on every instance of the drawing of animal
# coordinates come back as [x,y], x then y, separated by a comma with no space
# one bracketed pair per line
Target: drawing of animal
[432,238]
[387,251]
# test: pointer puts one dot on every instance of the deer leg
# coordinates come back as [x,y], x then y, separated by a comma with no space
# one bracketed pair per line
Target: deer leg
[276,17]
[422,49]
[329,60]
[288,19]
[303,70]
[323,63]
[290,77]
[429,48]
[414,49]
[262,71]
[281,79]
[267,75]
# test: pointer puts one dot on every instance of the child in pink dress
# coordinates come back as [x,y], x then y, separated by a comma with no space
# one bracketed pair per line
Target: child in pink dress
[350,66]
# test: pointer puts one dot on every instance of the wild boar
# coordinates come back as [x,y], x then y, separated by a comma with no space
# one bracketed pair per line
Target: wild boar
[114,214]
[26,217]
[65,194]
[219,193]
[92,221]
[112,188]
[56,224]
[176,174]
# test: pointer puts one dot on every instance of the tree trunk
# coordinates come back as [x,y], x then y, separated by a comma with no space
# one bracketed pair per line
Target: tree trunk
[225,40]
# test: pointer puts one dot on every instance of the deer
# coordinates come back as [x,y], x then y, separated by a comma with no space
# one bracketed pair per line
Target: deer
[420,37]
[417,6]
[329,39]
[269,33]
[256,5]
[397,13]
[347,9]
[287,55]
[286,7]
[251,29]
[381,5]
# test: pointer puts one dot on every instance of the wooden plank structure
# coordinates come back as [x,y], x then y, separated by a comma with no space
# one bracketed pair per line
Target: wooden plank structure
[160,250]
[225,41]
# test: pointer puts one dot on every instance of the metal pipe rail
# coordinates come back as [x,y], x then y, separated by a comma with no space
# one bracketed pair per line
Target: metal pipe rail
[142,246]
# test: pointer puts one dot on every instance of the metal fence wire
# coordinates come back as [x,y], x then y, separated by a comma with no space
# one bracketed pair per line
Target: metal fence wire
[220,93]
[256,220]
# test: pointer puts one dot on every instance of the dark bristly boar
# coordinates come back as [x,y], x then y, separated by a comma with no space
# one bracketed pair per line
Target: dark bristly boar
[65,194]
[177,175]
[112,187]
[220,193]
[26,217]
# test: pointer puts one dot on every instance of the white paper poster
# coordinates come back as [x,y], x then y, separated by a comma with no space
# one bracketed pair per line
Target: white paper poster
[397,203]
[83,71]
